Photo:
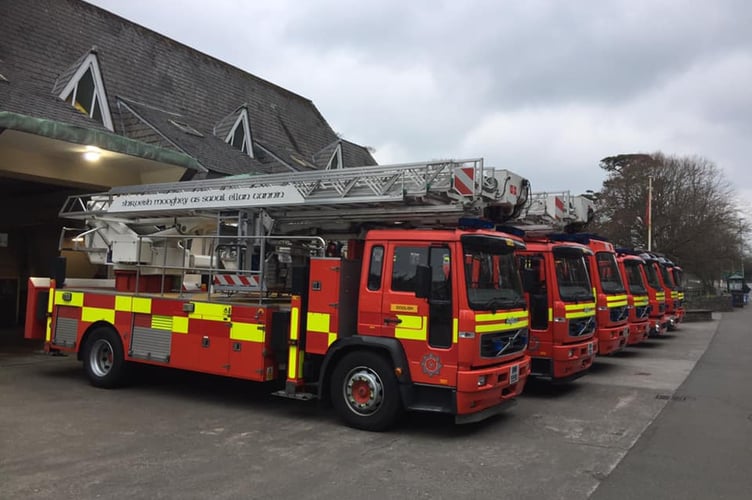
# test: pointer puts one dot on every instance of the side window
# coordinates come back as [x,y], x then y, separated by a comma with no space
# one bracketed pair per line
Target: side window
[376,268]
[441,267]
[406,261]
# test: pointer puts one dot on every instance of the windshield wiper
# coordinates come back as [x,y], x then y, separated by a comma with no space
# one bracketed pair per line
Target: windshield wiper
[496,304]
[577,296]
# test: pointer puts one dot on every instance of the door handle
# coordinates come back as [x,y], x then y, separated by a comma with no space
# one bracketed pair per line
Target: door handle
[395,321]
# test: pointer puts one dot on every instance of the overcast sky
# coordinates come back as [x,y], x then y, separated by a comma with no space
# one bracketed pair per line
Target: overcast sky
[543,88]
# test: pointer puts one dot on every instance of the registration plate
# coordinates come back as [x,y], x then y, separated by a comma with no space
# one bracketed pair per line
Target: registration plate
[514,374]
[590,348]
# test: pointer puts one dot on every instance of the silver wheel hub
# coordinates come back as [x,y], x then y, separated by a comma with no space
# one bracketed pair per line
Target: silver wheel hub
[101,357]
[363,391]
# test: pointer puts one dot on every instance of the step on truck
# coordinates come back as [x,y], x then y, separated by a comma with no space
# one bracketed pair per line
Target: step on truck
[360,287]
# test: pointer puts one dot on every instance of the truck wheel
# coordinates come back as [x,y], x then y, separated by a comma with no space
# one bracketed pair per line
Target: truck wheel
[104,363]
[365,392]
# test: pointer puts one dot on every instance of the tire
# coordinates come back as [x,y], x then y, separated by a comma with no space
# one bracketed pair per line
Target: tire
[104,362]
[365,392]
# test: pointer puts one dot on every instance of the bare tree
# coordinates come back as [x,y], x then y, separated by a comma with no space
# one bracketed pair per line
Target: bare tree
[694,220]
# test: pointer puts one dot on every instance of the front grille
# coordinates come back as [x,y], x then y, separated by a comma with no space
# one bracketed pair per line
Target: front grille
[661,308]
[493,345]
[581,326]
[642,311]
[618,314]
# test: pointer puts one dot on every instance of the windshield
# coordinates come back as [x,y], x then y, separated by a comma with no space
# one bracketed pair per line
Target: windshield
[634,277]
[608,272]
[667,279]
[652,276]
[491,274]
[677,274]
[572,277]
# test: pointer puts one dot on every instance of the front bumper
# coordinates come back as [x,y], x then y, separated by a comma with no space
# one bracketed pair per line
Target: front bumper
[570,359]
[638,332]
[658,328]
[611,340]
[498,389]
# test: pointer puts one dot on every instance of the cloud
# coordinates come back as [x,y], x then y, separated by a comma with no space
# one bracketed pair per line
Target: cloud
[543,88]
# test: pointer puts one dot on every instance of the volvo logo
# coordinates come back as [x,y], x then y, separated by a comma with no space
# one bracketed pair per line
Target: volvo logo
[511,321]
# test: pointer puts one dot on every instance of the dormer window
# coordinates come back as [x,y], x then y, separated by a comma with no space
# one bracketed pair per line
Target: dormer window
[85,91]
[240,133]
[335,162]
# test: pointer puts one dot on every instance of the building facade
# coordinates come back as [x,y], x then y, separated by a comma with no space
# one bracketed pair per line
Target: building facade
[89,100]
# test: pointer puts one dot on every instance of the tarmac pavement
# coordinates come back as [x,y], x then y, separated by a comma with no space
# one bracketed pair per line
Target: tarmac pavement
[646,422]
[700,446]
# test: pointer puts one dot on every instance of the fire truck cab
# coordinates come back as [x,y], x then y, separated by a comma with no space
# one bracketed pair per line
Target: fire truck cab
[559,292]
[631,267]
[612,312]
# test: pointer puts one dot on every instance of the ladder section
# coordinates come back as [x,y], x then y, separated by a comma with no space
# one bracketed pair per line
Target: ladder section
[392,191]
[559,210]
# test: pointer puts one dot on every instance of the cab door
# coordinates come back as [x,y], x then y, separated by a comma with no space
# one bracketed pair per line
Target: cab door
[424,326]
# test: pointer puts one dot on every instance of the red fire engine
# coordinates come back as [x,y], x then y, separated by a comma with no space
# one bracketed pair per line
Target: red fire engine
[558,287]
[612,312]
[325,281]
[631,267]
[657,320]
[562,342]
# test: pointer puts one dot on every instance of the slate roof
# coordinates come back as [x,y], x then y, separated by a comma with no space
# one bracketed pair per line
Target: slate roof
[155,79]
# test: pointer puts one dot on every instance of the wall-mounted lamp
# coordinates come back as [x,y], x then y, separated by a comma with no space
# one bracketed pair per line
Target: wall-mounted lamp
[92,153]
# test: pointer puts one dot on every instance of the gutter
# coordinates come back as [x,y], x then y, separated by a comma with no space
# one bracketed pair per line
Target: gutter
[91,137]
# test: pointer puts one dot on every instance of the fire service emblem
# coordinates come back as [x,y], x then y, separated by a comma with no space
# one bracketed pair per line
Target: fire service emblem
[431,364]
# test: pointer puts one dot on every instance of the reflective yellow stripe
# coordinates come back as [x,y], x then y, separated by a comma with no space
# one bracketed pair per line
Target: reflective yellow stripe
[573,307]
[50,305]
[252,332]
[318,322]
[92,314]
[123,303]
[161,322]
[48,335]
[660,296]
[500,316]
[179,324]
[641,300]
[140,305]
[332,337]
[615,298]
[674,295]
[681,295]
[76,298]
[616,301]
[292,362]
[500,321]
[207,310]
[455,330]
[550,314]
[292,359]
[501,327]
[579,314]
[411,328]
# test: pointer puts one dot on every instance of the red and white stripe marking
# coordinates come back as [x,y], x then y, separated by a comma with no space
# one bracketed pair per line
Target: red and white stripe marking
[235,280]
[464,180]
